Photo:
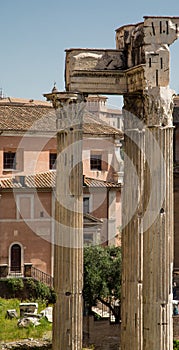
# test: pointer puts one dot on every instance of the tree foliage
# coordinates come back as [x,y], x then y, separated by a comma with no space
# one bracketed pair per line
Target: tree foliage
[102,276]
[175,345]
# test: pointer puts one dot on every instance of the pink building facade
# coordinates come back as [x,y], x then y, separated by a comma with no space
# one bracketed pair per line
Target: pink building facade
[27,185]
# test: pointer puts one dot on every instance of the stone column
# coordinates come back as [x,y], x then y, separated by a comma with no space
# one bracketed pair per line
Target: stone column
[147,238]
[158,222]
[132,237]
[68,251]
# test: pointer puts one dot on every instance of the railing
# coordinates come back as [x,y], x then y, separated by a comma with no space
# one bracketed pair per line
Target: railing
[41,276]
[7,271]
[27,270]
[16,271]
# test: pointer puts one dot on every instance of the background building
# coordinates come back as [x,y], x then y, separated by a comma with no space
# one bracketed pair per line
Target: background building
[27,184]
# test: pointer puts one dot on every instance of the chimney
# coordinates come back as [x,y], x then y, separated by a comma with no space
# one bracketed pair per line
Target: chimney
[20,179]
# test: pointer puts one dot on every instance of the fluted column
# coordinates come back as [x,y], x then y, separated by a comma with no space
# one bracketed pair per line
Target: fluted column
[68,252]
[147,238]
[158,244]
[132,237]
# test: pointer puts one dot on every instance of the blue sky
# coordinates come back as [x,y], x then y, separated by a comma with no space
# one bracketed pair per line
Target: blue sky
[35,34]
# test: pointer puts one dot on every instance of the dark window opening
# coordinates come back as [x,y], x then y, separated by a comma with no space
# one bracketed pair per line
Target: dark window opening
[88,238]
[153,28]
[96,162]
[9,161]
[15,258]
[160,27]
[86,205]
[161,63]
[167,27]
[52,160]
[156,77]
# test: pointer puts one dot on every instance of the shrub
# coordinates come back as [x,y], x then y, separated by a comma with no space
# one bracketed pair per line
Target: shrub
[15,286]
[27,289]
[52,297]
[38,290]
[175,345]
[30,286]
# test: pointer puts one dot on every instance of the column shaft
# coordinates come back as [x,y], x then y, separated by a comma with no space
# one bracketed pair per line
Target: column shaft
[158,247]
[68,252]
[132,242]
[147,237]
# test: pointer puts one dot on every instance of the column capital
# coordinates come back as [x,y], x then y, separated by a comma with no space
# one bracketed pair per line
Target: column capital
[61,98]
[69,108]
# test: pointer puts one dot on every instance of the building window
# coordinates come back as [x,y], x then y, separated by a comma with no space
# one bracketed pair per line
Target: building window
[9,161]
[88,238]
[86,205]
[96,162]
[13,159]
[25,206]
[52,161]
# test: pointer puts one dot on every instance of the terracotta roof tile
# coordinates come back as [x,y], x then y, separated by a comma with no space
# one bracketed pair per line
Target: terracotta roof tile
[23,101]
[24,118]
[47,180]
[92,219]
[42,118]
[91,182]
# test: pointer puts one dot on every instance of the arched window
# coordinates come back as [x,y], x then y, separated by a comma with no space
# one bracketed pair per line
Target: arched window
[15,258]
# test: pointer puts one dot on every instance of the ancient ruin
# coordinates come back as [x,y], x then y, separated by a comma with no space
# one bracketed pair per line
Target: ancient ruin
[139,70]
[68,253]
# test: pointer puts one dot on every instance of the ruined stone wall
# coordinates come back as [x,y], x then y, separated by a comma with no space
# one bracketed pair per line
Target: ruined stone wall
[27,345]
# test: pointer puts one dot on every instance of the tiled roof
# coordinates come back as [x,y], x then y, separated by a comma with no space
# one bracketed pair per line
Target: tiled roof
[114,111]
[88,218]
[47,180]
[22,117]
[95,126]
[91,182]
[23,101]
[41,180]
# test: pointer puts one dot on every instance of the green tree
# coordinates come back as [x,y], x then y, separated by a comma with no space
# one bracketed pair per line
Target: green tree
[102,277]
[175,345]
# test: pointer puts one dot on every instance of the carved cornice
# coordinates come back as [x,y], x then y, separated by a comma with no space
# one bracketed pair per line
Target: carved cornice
[154,107]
